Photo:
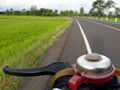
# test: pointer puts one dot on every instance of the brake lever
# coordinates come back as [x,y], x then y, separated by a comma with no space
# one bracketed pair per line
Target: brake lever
[51,69]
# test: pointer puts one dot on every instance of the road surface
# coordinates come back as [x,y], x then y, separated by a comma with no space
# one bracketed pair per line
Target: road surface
[102,38]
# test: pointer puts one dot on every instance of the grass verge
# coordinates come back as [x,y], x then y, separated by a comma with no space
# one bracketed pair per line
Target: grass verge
[114,20]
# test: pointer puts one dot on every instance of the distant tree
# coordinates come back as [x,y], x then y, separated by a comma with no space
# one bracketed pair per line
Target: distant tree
[2,13]
[17,12]
[92,12]
[33,10]
[110,14]
[7,12]
[11,11]
[50,12]
[117,12]
[70,13]
[41,11]
[76,13]
[62,13]
[99,6]
[56,12]
[109,4]
[81,11]
[47,12]
[28,12]
[23,12]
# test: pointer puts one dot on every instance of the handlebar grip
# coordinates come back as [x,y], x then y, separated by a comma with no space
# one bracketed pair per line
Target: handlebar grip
[51,69]
[24,72]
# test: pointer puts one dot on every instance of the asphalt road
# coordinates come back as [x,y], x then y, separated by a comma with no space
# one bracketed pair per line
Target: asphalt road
[103,38]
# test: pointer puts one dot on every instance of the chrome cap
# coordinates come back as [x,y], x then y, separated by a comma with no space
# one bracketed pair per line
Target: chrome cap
[93,63]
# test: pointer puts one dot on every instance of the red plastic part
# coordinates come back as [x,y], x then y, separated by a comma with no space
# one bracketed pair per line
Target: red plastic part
[74,82]
[97,81]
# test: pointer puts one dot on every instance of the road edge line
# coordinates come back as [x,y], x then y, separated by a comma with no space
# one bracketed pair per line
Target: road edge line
[89,50]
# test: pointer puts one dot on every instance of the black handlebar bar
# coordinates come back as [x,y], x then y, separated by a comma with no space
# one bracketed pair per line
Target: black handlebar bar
[51,69]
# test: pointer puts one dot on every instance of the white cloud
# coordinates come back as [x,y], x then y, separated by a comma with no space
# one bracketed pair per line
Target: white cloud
[53,4]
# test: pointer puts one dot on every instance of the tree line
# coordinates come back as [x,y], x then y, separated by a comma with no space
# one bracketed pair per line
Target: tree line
[33,11]
[99,8]
[102,8]
[40,12]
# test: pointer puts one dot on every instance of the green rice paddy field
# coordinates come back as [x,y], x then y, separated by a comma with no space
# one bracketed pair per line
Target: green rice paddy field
[23,39]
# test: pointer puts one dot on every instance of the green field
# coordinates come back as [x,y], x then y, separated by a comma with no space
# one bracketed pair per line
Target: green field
[23,39]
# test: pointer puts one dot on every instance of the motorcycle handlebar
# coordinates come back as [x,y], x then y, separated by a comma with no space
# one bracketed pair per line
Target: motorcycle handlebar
[51,69]
[26,72]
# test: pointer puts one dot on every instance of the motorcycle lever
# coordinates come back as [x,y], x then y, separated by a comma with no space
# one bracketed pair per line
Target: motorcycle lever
[51,69]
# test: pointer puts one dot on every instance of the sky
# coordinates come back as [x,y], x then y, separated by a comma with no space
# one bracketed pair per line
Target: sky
[51,4]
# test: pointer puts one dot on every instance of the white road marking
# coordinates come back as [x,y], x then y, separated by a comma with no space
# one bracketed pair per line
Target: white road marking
[85,38]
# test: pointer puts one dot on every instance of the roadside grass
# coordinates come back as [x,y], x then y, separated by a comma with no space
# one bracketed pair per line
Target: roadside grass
[114,20]
[108,19]
[23,39]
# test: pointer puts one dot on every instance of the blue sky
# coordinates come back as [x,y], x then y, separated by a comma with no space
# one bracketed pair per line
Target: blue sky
[52,4]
